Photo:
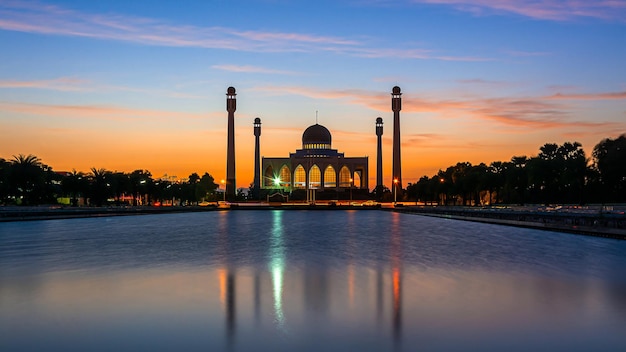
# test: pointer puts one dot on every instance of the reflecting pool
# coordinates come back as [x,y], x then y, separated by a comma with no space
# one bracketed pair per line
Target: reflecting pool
[306,281]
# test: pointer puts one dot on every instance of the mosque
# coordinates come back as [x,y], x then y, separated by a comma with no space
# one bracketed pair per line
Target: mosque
[316,169]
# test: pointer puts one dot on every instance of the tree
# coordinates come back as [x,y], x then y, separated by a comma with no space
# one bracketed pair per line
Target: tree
[5,167]
[99,186]
[140,184]
[75,185]
[205,187]
[574,172]
[27,179]
[496,179]
[517,179]
[120,185]
[609,157]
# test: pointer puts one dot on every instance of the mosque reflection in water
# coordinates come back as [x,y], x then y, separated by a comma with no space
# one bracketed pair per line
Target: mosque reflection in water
[320,290]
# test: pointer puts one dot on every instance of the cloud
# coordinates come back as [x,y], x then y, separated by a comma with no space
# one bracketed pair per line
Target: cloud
[593,96]
[526,113]
[70,84]
[556,10]
[62,84]
[115,113]
[45,19]
[253,69]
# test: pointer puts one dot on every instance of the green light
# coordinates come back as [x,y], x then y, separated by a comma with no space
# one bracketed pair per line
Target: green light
[277,181]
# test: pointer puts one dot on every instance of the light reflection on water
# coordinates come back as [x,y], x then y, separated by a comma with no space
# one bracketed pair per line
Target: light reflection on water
[308,281]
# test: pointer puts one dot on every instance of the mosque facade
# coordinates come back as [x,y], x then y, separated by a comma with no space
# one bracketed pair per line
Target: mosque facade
[315,167]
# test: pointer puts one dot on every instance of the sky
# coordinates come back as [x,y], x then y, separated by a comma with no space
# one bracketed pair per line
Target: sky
[126,85]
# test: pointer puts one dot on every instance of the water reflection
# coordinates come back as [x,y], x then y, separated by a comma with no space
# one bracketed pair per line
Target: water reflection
[277,267]
[396,266]
[306,281]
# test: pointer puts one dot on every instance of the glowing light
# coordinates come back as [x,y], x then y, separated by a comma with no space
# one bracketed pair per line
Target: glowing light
[277,281]
[277,267]
[277,181]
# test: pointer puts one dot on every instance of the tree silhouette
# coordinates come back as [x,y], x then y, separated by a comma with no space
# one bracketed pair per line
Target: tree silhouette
[609,158]
[557,174]
[100,187]
[75,185]
[140,184]
[5,168]
[28,178]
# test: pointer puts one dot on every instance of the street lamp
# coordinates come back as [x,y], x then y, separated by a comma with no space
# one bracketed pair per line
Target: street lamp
[395,190]
[224,183]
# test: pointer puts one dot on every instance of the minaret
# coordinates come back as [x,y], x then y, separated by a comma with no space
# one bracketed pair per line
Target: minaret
[379,156]
[231,106]
[396,106]
[257,157]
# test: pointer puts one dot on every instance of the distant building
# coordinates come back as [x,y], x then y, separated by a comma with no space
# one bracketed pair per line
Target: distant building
[315,168]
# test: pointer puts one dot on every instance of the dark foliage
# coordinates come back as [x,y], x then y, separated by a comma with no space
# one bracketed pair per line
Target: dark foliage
[558,174]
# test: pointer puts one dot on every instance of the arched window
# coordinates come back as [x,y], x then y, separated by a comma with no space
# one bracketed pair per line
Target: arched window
[330,177]
[268,177]
[344,177]
[299,177]
[315,177]
[285,176]
[357,180]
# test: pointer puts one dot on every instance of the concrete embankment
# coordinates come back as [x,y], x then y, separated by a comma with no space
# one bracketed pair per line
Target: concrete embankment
[577,220]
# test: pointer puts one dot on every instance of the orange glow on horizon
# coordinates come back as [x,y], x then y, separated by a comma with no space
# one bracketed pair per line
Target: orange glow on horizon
[198,145]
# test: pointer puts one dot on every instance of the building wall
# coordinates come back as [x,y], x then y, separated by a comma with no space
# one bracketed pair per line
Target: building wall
[271,170]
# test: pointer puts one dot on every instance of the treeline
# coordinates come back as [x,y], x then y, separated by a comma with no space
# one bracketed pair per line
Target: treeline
[25,180]
[558,174]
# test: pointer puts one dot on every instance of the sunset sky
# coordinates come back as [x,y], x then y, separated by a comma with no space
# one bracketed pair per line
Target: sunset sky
[141,84]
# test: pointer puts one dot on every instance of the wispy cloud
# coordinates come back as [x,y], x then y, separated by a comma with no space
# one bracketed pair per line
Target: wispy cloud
[253,69]
[558,10]
[526,113]
[592,96]
[62,84]
[32,17]
[70,84]
[114,113]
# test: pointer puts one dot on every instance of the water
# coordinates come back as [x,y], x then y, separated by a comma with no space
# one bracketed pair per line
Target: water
[306,281]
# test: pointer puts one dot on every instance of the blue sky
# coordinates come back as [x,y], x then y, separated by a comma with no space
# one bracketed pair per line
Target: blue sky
[126,85]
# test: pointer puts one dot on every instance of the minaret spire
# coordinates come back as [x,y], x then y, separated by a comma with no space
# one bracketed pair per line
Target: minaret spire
[231,106]
[396,106]
[257,157]
[379,157]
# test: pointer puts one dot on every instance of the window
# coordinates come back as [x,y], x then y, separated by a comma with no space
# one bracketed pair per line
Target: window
[315,177]
[344,177]
[285,176]
[330,177]
[268,177]
[299,177]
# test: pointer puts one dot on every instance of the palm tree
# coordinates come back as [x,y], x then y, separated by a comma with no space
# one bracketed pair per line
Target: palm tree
[99,185]
[27,178]
[74,185]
